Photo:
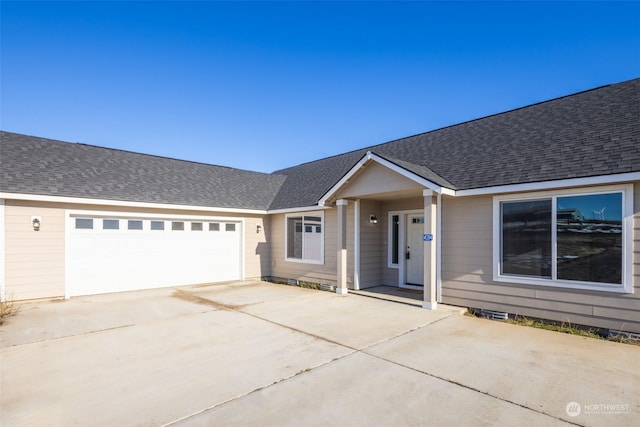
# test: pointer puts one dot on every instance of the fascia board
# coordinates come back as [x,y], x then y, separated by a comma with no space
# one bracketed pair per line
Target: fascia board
[298,209]
[412,176]
[124,203]
[550,185]
[344,179]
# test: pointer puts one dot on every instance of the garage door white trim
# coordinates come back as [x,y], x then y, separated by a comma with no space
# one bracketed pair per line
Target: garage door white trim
[142,258]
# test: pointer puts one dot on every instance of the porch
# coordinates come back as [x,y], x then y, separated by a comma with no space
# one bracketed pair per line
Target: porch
[392,293]
[387,224]
[413,297]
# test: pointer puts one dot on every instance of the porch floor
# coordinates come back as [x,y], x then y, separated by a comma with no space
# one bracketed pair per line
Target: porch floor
[392,293]
[402,295]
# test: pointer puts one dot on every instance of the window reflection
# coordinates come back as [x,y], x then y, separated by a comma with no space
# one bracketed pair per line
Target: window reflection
[526,238]
[589,233]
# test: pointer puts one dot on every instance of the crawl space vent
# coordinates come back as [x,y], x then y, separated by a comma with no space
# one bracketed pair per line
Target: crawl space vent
[494,315]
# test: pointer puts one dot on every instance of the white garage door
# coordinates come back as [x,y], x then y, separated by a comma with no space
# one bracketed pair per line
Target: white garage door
[113,254]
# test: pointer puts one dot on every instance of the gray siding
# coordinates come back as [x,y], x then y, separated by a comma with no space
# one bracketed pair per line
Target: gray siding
[315,273]
[467,274]
[373,249]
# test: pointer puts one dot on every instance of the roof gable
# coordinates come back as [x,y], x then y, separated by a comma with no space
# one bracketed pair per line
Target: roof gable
[374,175]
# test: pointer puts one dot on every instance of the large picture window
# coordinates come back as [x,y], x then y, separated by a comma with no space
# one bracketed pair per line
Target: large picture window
[305,238]
[572,240]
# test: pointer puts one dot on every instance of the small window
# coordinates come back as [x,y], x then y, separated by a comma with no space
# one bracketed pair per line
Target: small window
[177,226]
[84,223]
[214,226]
[110,224]
[196,226]
[230,227]
[134,224]
[157,225]
[304,238]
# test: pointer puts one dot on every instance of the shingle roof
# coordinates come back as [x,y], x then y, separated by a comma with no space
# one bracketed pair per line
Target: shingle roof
[591,133]
[306,183]
[43,166]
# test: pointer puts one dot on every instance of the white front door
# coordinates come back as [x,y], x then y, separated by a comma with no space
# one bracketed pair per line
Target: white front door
[414,266]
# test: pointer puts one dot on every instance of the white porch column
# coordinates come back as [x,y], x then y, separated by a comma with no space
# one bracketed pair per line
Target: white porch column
[430,297]
[356,244]
[341,286]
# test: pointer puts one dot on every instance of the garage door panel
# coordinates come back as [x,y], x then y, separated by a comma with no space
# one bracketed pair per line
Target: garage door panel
[102,261]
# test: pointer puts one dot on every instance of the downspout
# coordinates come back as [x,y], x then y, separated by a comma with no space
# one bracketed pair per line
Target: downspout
[439,248]
[3,276]
[356,244]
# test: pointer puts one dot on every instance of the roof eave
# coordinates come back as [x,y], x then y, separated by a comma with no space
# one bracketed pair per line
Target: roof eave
[551,185]
[126,203]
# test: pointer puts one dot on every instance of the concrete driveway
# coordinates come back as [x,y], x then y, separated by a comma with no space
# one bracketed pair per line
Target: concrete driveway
[269,355]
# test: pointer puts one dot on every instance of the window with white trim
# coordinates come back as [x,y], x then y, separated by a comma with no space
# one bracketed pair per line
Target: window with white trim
[574,239]
[305,238]
[394,240]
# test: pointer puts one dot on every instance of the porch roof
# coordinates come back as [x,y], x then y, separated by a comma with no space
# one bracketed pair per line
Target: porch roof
[410,172]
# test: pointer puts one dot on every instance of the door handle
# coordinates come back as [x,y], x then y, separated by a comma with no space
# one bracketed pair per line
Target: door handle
[408,256]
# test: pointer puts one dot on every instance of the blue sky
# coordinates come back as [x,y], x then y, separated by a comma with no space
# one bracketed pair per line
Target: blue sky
[592,206]
[267,85]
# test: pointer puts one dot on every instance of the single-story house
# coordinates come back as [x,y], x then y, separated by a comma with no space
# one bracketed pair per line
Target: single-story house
[473,214]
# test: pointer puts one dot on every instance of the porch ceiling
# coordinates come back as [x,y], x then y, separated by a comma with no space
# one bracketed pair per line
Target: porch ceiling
[393,195]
